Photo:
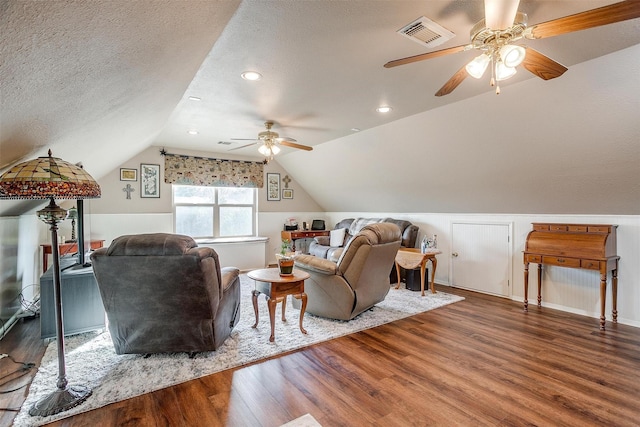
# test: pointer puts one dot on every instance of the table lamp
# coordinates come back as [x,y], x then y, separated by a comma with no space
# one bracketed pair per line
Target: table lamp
[52,178]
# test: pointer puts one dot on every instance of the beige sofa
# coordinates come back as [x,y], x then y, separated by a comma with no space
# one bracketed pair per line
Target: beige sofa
[322,247]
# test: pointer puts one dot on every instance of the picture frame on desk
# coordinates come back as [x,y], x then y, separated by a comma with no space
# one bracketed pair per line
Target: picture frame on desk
[273,186]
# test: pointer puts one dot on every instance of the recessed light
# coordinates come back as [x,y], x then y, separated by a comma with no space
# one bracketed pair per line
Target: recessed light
[251,75]
[383,109]
[355,129]
[194,98]
[192,132]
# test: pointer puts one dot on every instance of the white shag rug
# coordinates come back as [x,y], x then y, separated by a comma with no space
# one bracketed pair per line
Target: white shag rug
[91,359]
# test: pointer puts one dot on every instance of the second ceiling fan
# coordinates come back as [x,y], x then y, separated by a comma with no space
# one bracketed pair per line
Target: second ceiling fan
[269,142]
[503,26]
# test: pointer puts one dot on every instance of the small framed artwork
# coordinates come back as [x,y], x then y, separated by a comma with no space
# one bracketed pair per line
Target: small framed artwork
[287,193]
[149,180]
[273,186]
[128,174]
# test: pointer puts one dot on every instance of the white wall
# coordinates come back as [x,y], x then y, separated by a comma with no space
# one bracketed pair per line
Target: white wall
[567,289]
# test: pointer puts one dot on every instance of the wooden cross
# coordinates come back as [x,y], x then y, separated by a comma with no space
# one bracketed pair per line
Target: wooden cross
[286,181]
[128,189]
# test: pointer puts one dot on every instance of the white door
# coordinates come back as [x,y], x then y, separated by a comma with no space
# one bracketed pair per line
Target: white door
[481,257]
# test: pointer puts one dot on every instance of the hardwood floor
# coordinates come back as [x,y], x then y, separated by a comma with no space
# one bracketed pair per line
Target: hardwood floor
[479,362]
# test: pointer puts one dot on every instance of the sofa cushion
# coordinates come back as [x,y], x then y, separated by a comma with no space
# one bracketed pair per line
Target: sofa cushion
[322,240]
[337,237]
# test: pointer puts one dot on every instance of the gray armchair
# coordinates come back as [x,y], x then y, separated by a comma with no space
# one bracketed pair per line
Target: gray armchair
[162,293]
[358,280]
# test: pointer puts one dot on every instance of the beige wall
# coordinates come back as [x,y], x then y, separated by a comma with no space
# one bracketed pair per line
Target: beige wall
[114,201]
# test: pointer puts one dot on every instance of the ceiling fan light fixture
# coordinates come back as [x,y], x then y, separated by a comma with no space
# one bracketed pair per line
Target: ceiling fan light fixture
[503,72]
[478,66]
[269,150]
[512,55]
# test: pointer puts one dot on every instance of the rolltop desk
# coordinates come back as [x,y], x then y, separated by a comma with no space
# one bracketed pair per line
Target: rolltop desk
[587,246]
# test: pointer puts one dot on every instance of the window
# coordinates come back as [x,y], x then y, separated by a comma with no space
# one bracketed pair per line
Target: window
[202,212]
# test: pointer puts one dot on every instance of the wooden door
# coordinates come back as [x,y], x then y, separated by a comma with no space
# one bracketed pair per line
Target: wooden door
[481,257]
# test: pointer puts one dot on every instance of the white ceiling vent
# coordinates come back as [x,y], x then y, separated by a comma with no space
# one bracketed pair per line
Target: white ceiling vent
[426,32]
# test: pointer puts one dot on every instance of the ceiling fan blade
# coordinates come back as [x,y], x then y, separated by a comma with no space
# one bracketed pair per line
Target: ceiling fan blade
[242,146]
[288,143]
[542,66]
[500,14]
[428,55]
[611,14]
[453,82]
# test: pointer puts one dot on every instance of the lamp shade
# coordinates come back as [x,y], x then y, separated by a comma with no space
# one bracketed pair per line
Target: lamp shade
[45,178]
[478,65]
[512,55]
[503,72]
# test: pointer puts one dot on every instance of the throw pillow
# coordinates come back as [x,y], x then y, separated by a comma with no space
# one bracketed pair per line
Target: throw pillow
[336,237]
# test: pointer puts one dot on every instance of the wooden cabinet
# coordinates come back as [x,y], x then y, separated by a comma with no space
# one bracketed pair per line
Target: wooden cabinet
[587,246]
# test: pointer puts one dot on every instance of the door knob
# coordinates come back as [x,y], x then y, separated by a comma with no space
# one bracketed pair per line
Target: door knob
[455,254]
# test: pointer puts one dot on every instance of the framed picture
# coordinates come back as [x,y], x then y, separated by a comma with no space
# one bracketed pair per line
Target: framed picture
[273,186]
[128,174]
[149,180]
[287,193]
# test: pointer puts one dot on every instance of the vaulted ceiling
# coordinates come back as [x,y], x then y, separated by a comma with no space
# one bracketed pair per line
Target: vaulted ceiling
[99,82]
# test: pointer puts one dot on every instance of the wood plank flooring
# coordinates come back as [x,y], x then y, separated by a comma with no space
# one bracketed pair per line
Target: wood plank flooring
[479,362]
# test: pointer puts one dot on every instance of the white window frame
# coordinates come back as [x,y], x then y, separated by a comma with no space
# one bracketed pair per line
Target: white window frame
[216,213]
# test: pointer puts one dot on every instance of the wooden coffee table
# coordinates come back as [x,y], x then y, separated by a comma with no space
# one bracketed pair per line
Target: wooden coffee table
[410,258]
[276,288]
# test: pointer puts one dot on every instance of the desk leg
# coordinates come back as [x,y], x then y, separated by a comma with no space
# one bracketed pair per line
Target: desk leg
[526,287]
[603,296]
[398,273]
[255,306]
[434,264]
[614,294]
[303,298]
[539,285]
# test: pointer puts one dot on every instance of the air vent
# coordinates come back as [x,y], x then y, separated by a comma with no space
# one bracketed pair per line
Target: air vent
[426,32]
[225,142]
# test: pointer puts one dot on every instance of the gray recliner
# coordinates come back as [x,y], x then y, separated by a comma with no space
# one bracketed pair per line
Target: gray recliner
[358,281]
[162,293]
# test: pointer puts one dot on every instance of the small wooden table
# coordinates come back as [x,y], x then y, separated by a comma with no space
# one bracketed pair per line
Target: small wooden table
[65,248]
[276,288]
[410,258]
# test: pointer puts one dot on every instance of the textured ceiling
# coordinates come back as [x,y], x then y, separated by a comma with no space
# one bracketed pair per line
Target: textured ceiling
[98,82]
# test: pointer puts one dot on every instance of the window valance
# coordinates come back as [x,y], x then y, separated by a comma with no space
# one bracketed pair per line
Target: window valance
[192,170]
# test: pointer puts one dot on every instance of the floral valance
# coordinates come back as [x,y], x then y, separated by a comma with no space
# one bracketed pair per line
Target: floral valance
[192,170]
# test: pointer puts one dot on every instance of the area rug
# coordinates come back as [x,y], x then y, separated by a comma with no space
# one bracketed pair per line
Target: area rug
[91,360]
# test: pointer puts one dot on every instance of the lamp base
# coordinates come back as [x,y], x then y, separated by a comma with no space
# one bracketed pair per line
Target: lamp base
[60,401]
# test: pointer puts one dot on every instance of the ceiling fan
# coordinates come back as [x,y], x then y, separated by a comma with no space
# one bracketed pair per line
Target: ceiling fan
[495,36]
[269,142]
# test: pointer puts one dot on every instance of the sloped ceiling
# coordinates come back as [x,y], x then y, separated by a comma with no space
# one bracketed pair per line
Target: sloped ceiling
[98,82]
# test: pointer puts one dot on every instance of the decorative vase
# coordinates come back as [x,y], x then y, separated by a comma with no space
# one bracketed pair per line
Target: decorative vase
[285,263]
